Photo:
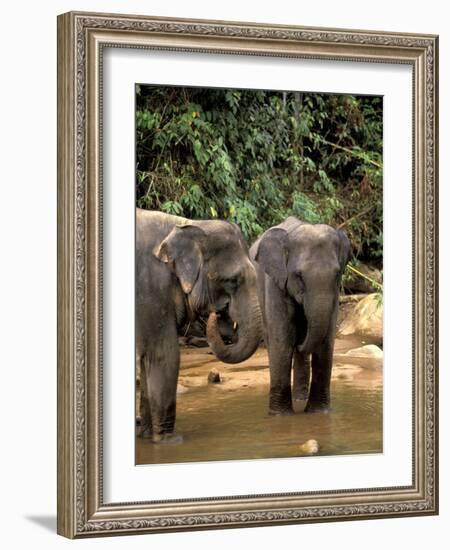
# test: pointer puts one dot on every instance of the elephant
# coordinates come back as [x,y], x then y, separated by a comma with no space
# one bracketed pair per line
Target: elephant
[299,270]
[186,269]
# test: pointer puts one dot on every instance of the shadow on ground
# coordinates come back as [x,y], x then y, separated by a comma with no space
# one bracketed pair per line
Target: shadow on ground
[46,522]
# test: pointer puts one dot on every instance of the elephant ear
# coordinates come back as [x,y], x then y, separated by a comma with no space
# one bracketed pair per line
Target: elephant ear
[344,248]
[272,255]
[182,250]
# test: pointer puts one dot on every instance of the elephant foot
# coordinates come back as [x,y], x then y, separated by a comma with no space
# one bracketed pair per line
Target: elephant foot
[281,412]
[280,401]
[312,407]
[145,432]
[168,439]
[144,429]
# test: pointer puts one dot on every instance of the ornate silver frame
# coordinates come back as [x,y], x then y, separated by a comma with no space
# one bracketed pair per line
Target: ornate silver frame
[81,510]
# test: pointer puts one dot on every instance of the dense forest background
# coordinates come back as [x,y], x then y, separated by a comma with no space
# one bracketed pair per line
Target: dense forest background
[255,157]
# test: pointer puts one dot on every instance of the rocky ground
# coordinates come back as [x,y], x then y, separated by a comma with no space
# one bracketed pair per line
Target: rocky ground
[199,367]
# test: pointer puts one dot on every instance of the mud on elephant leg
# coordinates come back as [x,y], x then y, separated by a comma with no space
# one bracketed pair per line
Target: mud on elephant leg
[302,375]
[319,393]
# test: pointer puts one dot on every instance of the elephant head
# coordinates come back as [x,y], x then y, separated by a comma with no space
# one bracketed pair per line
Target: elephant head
[306,262]
[210,260]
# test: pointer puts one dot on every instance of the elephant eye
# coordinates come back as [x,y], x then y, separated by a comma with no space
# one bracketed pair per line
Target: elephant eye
[231,283]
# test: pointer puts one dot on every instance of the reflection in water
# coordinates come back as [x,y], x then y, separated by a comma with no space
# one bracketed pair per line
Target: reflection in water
[222,424]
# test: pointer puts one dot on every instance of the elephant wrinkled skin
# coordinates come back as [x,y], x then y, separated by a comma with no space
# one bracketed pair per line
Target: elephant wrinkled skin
[185,269]
[299,269]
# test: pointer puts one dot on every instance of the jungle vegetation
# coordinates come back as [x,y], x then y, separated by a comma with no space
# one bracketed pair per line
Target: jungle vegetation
[255,157]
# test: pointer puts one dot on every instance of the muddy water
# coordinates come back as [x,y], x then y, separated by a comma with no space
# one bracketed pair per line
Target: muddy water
[229,420]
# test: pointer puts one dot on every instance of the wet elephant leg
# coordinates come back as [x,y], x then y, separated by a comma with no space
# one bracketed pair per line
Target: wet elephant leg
[280,397]
[145,428]
[280,341]
[302,374]
[319,393]
[162,387]
[322,363]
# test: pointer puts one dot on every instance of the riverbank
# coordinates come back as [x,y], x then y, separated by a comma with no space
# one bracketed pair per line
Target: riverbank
[229,420]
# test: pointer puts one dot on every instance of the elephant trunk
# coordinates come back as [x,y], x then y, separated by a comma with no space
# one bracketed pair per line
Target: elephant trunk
[319,316]
[249,330]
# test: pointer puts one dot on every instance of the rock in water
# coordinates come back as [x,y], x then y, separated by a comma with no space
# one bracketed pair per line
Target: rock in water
[214,377]
[310,447]
[370,351]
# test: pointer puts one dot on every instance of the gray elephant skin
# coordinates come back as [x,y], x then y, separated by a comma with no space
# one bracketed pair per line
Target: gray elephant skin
[299,269]
[185,269]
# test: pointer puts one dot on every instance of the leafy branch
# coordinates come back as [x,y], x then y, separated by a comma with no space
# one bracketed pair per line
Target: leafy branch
[371,281]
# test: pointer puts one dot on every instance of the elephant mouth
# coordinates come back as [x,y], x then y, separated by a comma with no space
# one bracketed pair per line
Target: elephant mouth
[227,327]
[242,329]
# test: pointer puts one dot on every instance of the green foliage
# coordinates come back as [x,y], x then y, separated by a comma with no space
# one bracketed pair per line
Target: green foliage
[255,157]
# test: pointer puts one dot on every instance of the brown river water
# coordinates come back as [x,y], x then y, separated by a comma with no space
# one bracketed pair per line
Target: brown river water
[229,420]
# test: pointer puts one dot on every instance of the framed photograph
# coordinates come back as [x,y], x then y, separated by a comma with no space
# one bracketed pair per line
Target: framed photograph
[247,285]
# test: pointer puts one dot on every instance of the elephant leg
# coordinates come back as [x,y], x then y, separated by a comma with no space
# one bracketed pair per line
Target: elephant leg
[145,429]
[162,377]
[302,374]
[319,393]
[280,397]
[280,343]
